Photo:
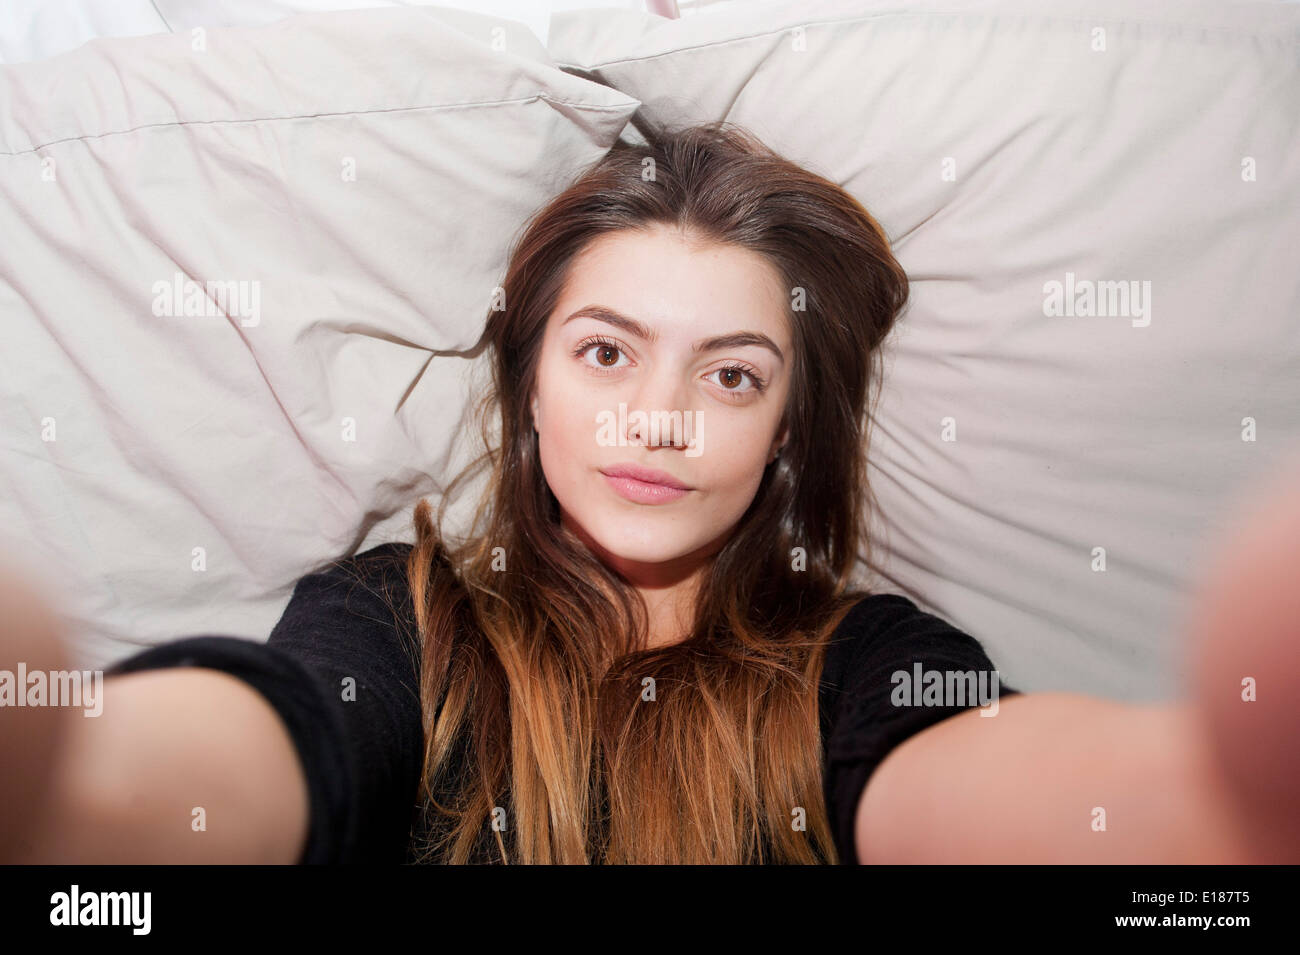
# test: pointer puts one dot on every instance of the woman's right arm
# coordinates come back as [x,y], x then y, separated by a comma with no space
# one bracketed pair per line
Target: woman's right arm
[182,765]
[306,748]
[186,765]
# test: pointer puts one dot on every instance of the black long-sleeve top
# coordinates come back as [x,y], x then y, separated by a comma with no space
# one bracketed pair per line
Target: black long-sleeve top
[362,757]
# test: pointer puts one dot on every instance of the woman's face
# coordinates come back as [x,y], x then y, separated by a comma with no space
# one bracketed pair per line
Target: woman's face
[649,324]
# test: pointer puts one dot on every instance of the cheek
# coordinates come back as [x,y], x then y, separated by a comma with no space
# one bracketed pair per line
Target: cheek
[566,428]
[731,465]
[564,392]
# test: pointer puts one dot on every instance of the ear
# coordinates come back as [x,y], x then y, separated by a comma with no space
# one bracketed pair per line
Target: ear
[534,409]
[778,443]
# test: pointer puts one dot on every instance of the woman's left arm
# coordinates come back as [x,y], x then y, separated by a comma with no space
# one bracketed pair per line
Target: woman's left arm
[1063,777]
[1052,778]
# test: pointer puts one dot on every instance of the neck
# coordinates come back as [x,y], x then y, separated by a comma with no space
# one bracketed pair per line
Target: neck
[668,588]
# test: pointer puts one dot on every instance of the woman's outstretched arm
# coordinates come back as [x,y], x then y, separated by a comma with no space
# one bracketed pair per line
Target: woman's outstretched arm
[126,786]
[1213,780]
[173,747]
[1036,782]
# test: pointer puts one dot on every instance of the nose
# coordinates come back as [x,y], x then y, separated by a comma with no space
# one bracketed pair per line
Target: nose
[661,398]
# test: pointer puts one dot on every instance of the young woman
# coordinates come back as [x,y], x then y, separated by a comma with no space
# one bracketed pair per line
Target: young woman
[647,649]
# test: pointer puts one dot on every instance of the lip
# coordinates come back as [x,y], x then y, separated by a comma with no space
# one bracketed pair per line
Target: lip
[644,485]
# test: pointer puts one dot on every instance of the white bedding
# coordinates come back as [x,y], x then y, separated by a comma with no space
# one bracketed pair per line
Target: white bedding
[36,29]
[359,177]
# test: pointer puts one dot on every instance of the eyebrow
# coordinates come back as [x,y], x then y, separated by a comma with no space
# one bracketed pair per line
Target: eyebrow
[633,327]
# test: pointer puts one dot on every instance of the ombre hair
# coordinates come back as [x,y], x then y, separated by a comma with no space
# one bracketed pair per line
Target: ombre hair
[533,673]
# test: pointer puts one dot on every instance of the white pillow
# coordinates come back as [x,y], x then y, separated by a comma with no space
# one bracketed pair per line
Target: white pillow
[1090,140]
[186,14]
[36,29]
[305,422]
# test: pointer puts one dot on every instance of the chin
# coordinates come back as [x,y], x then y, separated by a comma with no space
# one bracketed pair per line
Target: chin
[646,538]
[650,540]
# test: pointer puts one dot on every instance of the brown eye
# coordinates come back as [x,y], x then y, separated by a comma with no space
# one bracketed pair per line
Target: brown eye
[732,380]
[608,356]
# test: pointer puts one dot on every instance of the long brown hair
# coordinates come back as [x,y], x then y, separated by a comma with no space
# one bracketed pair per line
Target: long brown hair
[542,741]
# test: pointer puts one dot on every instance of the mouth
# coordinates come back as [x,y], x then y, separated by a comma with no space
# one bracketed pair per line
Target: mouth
[644,485]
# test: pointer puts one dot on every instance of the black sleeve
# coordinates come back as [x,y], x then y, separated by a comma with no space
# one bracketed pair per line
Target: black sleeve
[341,669]
[871,714]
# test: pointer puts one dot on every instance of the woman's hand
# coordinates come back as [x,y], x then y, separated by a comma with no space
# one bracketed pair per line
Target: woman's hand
[1245,625]
[32,738]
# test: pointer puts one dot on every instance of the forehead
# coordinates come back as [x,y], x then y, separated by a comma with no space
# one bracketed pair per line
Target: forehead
[681,286]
